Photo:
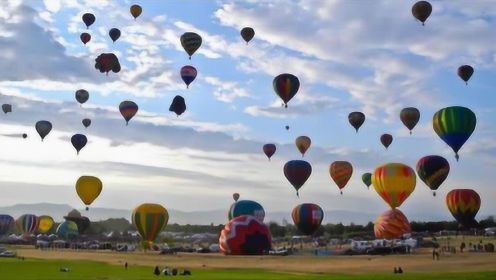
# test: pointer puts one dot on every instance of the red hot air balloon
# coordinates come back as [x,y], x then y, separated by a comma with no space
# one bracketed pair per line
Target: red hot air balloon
[307,217]
[391,224]
[128,109]
[85,37]
[286,86]
[341,172]
[269,150]
[297,172]
[188,74]
[245,235]
[386,140]
[464,205]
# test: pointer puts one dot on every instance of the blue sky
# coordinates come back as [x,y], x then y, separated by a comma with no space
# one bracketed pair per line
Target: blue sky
[369,56]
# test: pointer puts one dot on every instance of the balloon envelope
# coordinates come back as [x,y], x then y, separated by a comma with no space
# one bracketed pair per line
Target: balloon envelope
[247,33]
[422,10]
[391,224]
[86,122]
[78,142]
[27,224]
[269,150]
[85,37]
[394,182]
[235,196]
[82,96]
[341,172]
[297,172]
[149,219]
[135,11]
[128,109]
[409,117]
[433,170]
[88,189]
[464,205]
[114,34]
[286,86]
[178,105]
[6,108]
[6,223]
[67,230]
[386,140]
[303,143]
[307,217]
[245,235]
[246,207]
[88,19]
[465,72]
[43,128]
[107,62]
[367,179]
[188,74]
[45,224]
[191,42]
[356,119]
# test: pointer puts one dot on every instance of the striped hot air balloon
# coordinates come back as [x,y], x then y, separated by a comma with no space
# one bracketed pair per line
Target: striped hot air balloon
[246,207]
[303,144]
[341,172]
[149,219]
[27,224]
[128,109]
[6,223]
[464,205]
[307,217]
[191,42]
[286,86]
[188,74]
[391,224]
[409,117]
[269,150]
[394,182]
[433,170]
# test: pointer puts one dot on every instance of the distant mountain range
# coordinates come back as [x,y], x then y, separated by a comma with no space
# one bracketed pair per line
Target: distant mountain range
[57,211]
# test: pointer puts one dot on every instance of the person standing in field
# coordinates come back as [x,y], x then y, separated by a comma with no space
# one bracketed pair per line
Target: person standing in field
[156,271]
[462,247]
[125,265]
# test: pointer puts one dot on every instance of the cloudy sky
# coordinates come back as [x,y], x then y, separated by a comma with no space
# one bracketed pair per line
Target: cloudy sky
[369,56]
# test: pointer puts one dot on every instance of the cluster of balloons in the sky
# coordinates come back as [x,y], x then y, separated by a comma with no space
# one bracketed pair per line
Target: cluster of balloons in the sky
[245,233]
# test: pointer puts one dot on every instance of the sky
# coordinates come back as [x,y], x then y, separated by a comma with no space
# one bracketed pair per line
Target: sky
[369,56]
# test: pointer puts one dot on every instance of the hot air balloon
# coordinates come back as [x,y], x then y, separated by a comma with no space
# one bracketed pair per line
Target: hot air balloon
[341,172]
[269,150]
[86,122]
[245,235]
[307,217]
[178,105]
[433,170]
[409,117]
[107,62]
[85,37]
[188,74]
[24,135]
[82,95]
[88,189]
[128,109]
[149,219]
[287,127]
[386,140]
[246,207]
[394,182]
[82,222]
[6,108]
[88,19]
[422,10]
[114,34]
[247,34]
[454,125]
[303,143]
[391,224]
[6,223]
[465,72]
[191,42]
[27,224]
[78,142]
[45,224]
[356,119]
[135,11]
[367,179]
[67,230]
[43,128]
[235,196]
[464,205]
[286,86]
[297,172]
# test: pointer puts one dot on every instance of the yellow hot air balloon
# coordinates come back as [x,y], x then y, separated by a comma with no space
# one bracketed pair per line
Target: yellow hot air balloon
[46,224]
[394,182]
[303,143]
[88,189]
[150,219]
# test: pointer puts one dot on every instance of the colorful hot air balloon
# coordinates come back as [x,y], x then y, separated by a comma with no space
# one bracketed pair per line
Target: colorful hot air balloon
[246,207]
[107,62]
[6,223]
[78,142]
[394,182]
[303,143]
[82,222]
[297,172]
[114,34]
[45,224]
[6,108]
[88,19]
[27,224]
[245,235]
[188,74]
[128,109]
[67,230]
[43,128]
[409,117]
[341,172]
[367,179]
[356,119]
[391,224]
[191,42]
[149,219]
[422,10]
[86,122]
[465,72]
[85,37]
[386,140]
[247,33]
[88,189]
[464,205]
[269,150]
[178,105]
[235,196]
[433,170]
[82,95]
[454,125]
[307,217]
[286,86]
[135,11]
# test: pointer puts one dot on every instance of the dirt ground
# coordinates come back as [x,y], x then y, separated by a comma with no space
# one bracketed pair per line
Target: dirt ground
[421,261]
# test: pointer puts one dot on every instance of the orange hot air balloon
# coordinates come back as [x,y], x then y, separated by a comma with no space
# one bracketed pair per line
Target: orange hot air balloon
[391,224]
[464,205]
[394,182]
[303,143]
[341,172]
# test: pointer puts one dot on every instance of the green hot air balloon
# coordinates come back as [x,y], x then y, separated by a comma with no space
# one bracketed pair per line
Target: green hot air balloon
[454,125]
[149,219]
[367,179]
